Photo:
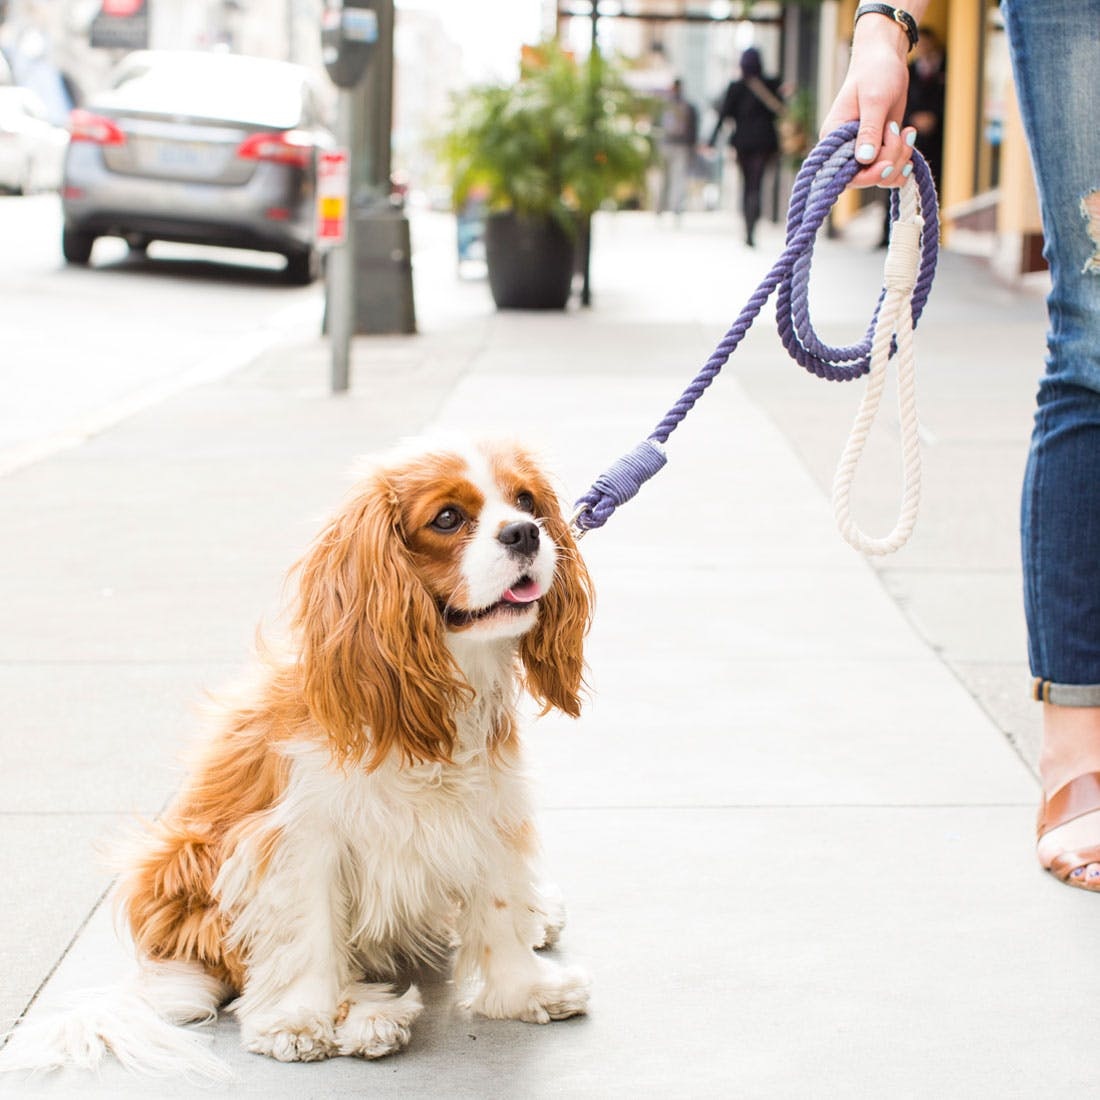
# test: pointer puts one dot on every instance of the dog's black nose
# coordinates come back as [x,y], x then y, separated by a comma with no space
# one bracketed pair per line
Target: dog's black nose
[521,538]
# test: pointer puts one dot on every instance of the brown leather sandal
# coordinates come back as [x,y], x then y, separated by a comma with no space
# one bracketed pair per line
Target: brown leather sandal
[1078,797]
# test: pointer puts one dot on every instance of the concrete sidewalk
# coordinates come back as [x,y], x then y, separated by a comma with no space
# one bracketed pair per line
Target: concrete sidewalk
[793,827]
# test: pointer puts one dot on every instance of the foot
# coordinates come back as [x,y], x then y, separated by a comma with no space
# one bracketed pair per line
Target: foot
[549,913]
[302,1037]
[1069,827]
[1080,835]
[555,993]
[372,1022]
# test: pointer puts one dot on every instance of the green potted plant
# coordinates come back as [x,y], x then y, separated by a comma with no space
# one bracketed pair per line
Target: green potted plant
[545,154]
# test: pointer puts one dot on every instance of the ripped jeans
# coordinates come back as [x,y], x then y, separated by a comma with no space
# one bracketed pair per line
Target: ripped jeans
[1055,47]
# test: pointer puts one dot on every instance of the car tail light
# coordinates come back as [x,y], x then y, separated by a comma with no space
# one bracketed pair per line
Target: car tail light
[86,126]
[280,147]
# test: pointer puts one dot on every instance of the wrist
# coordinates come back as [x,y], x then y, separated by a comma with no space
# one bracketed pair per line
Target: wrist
[879,32]
[888,22]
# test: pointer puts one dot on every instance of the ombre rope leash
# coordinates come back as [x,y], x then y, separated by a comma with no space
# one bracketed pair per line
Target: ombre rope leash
[907,278]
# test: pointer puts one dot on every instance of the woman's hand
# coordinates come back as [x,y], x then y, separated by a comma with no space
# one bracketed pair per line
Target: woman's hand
[874,92]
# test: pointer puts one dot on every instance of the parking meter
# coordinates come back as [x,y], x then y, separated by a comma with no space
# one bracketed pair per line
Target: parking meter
[349,30]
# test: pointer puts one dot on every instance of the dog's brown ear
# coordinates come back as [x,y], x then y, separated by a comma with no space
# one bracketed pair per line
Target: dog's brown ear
[375,672]
[553,651]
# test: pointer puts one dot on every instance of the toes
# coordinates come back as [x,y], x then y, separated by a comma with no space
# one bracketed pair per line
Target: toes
[380,1024]
[1087,877]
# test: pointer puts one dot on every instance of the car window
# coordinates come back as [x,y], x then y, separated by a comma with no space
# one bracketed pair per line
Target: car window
[240,90]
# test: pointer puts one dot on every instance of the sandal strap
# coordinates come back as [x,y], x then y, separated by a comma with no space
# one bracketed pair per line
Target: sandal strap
[1078,797]
[1064,864]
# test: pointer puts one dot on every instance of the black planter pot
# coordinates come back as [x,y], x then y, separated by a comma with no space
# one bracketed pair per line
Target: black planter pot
[530,262]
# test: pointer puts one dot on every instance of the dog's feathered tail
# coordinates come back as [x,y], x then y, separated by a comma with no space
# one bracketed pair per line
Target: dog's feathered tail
[137,1022]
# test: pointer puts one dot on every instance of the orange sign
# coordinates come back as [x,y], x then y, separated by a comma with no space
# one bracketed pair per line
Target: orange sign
[333,176]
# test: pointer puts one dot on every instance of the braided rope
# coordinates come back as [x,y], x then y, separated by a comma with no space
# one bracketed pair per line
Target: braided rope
[894,322]
[910,268]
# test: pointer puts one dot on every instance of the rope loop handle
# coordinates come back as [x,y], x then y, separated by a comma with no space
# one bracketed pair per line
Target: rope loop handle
[892,336]
[909,270]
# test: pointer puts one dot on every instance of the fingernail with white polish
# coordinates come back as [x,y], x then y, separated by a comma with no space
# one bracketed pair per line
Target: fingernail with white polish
[907,171]
[911,138]
[894,128]
[888,171]
[865,152]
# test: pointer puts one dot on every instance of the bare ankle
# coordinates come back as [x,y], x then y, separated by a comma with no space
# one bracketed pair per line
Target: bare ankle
[1071,744]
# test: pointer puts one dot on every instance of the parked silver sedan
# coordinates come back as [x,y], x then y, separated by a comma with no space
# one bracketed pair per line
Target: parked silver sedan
[204,148]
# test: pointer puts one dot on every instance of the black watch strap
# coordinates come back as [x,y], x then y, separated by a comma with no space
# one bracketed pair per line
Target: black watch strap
[902,18]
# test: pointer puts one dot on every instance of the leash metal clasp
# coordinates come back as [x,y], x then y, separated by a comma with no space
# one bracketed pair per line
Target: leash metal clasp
[575,529]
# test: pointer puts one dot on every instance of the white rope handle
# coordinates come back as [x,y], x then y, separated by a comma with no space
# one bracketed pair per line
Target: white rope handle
[895,319]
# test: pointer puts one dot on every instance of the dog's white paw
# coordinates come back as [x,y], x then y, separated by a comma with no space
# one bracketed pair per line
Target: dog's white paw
[373,1022]
[557,993]
[549,914]
[303,1037]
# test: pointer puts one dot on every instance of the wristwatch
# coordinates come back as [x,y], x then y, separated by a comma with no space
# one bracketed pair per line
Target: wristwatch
[902,18]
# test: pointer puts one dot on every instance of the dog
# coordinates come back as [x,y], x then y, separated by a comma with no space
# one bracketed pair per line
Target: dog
[363,807]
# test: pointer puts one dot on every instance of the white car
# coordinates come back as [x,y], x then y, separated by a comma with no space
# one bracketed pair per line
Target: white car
[32,149]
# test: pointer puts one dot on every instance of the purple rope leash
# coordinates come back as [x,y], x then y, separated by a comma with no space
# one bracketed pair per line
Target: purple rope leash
[824,175]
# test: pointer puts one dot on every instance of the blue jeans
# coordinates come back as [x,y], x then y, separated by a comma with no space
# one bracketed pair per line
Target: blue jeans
[1055,48]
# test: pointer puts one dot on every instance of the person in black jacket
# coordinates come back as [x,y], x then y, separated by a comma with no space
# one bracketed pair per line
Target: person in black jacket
[924,107]
[752,104]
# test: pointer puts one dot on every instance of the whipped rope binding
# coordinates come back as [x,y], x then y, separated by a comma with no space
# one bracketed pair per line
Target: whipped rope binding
[894,323]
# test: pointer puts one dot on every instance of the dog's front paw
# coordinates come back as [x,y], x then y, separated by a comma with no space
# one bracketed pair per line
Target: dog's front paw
[304,1037]
[556,993]
[373,1022]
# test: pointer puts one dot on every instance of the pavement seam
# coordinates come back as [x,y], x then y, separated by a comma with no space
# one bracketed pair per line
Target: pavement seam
[60,959]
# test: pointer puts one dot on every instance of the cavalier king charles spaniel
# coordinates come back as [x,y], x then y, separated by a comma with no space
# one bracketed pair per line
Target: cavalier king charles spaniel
[364,808]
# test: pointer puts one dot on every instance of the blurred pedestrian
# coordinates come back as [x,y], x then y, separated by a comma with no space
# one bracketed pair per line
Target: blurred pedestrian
[924,104]
[1054,46]
[679,135]
[752,103]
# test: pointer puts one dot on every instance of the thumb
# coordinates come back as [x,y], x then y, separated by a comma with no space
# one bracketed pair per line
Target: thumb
[872,124]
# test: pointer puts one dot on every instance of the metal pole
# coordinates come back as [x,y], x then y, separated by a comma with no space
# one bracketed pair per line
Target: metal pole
[341,269]
[586,226]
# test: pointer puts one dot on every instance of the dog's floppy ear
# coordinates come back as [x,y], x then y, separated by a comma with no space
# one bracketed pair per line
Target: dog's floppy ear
[553,651]
[376,674]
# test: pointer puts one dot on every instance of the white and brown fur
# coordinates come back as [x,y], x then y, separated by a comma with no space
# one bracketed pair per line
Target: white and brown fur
[366,805]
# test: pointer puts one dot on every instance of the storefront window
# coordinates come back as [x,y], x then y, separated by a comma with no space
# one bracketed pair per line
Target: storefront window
[994,89]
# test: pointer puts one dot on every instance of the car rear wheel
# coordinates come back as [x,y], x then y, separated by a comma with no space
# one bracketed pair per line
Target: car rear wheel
[76,246]
[302,268]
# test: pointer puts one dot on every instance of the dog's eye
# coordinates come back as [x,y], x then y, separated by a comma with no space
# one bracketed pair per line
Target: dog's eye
[525,503]
[448,520]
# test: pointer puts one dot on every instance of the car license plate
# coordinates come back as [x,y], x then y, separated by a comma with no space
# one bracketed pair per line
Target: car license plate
[183,158]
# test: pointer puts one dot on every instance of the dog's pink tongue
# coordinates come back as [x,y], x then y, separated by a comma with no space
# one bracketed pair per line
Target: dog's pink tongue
[527,592]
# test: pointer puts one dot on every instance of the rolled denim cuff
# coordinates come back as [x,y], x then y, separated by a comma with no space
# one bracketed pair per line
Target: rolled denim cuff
[1066,695]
